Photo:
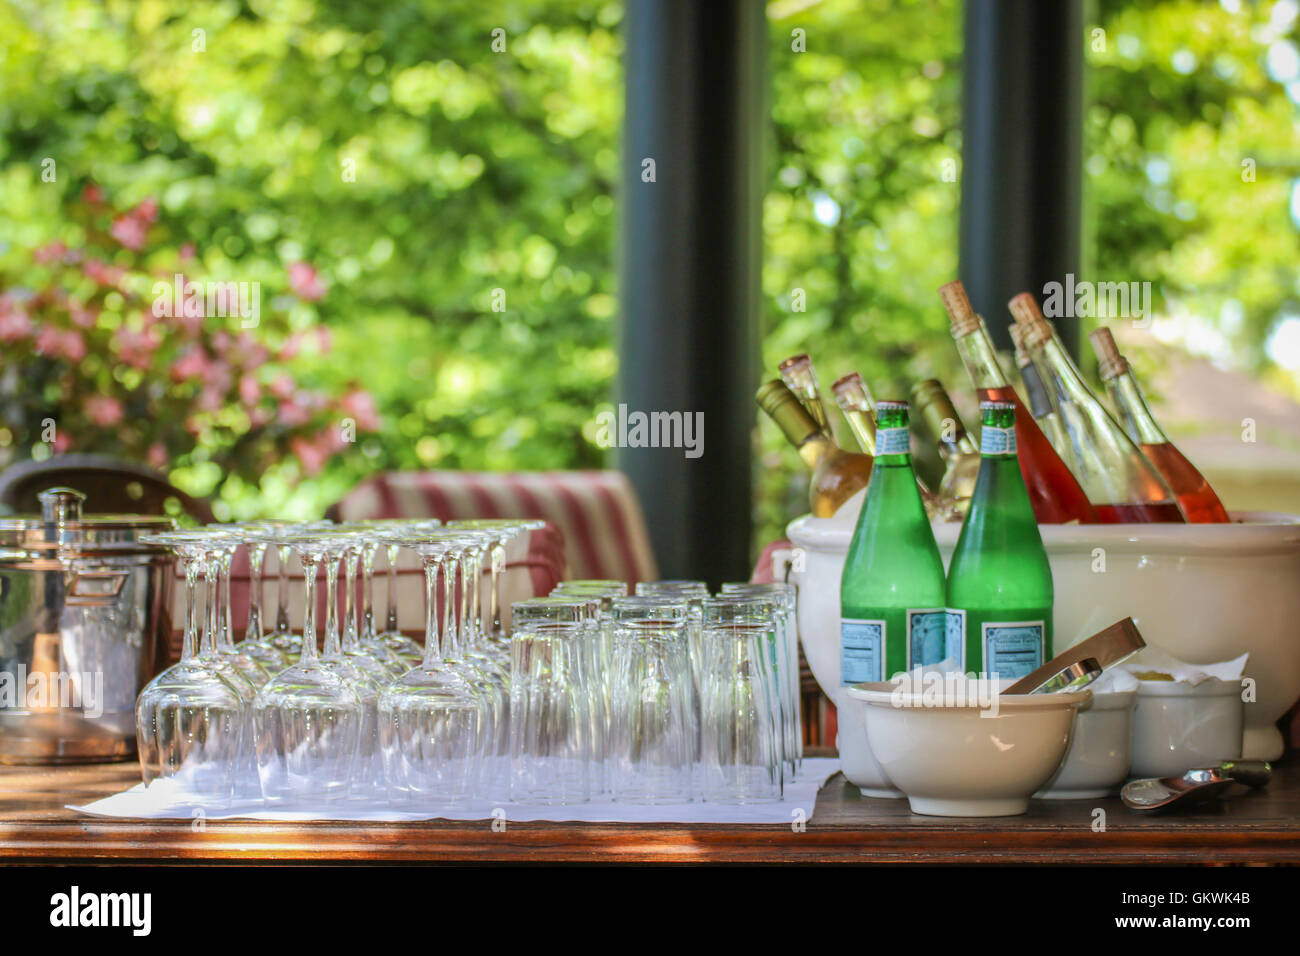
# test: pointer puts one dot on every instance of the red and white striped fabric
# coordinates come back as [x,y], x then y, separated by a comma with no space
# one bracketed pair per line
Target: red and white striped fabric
[597,512]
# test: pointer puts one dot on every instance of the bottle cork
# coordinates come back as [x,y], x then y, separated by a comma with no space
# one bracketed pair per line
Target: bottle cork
[960,313]
[1035,330]
[801,361]
[851,393]
[1110,362]
[1018,340]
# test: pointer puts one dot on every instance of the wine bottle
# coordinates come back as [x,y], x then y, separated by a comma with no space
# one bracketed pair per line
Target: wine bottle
[1199,502]
[854,400]
[801,378]
[1122,484]
[1041,405]
[960,454]
[837,475]
[999,579]
[892,590]
[1055,492]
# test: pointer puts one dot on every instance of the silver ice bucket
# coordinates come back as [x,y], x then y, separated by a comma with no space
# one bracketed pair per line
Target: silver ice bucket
[85,609]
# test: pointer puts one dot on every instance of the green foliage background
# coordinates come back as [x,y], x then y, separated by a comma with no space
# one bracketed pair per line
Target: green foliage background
[478,171]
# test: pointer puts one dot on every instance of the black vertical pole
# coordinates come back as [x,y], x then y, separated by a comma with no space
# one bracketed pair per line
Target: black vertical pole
[690,260]
[1022,135]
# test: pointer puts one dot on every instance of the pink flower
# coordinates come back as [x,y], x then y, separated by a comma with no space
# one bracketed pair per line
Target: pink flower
[47,340]
[56,342]
[14,325]
[50,252]
[156,455]
[211,398]
[82,316]
[312,455]
[73,346]
[187,251]
[129,231]
[282,387]
[292,345]
[104,410]
[251,353]
[61,441]
[306,281]
[359,405]
[101,272]
[193,364]
[249,390]
[136,348]
[146,211]
[92,194]
[294,414]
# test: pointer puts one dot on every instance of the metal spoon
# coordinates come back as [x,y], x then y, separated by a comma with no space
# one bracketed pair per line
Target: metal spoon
[1195,787]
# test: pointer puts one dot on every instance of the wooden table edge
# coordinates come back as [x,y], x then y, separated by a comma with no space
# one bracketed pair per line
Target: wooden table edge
[128,841]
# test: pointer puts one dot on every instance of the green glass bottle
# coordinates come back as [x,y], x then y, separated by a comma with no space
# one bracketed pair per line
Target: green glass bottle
[999,580]
[892,615]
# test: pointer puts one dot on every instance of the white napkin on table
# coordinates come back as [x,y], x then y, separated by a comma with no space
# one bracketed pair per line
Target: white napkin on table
[164,801]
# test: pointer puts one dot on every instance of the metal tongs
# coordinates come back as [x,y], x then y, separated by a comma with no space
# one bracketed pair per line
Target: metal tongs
[1078,666]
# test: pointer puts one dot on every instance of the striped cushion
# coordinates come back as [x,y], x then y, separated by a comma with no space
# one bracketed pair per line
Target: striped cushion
[597,511]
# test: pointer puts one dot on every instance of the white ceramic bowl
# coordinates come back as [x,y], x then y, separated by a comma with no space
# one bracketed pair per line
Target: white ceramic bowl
[857,762]
[1097,761]
[1203,593]
[1178,726]
[959,760]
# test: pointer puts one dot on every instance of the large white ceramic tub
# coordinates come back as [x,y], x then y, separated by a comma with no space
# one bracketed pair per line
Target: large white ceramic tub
[1203,593]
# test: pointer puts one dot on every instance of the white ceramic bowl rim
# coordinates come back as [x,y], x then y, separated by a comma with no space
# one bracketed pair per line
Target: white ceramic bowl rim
[1113,699]
[886,694]
[1251,532]
[1177,688]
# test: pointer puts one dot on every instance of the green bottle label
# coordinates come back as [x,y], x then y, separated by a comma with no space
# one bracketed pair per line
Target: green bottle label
[893,441]
[1013,649]
[862,651]
[934,636]
[997,441]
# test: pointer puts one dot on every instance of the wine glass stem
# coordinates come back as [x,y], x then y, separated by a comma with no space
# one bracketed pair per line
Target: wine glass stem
[227,619]
[350,617]
[498,566]
[463,623]
[475,600]
[210,569]
[431,651]
[309,568]
[391,623]
[191,569]
[256,552]
[282,595]
[368,591]
[450,617]
[331,607]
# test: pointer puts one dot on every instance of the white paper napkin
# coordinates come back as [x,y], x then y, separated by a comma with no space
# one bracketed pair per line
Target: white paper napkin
[164,800]
[1153,659]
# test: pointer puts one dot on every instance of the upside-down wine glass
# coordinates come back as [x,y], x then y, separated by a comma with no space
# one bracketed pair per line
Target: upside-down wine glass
[434,722]
[190,720]
[391,636]
[307,718]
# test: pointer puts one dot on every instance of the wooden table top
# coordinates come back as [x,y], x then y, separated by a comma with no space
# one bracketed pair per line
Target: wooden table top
[1250,827]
